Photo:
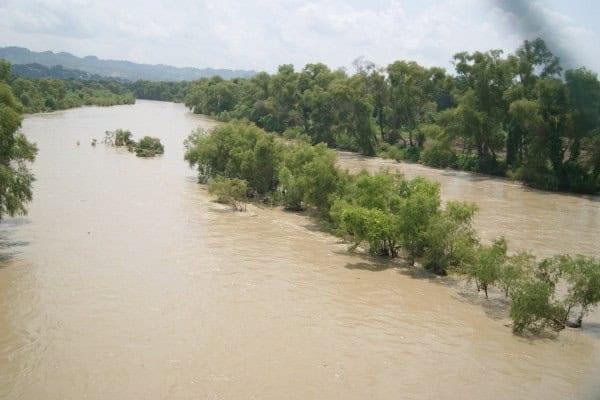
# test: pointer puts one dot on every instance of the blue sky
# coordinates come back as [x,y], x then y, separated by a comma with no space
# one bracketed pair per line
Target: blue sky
[262,34]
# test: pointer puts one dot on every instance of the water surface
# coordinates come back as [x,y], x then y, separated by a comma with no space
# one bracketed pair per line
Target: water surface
[126,282]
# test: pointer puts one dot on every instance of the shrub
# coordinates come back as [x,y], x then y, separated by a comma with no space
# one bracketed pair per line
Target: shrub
[533,306]
[449,239]
[412,154]
[230,191]
[236,150]
[148,147]
[582,278]
[488,265]
[439,155]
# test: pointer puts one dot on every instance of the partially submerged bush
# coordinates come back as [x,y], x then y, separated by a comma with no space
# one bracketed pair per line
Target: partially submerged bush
[230,191]
[533,306]
[148,147]
[118,138]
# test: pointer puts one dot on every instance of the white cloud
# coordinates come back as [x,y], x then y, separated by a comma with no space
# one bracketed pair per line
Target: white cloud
[265,33]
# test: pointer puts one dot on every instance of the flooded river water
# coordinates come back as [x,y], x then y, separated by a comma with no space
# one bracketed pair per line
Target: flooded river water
[126,282]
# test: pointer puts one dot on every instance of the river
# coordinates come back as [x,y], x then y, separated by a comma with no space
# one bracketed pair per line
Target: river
[126,282]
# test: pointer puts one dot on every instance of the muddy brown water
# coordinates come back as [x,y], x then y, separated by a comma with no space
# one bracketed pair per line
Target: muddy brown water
[126,282]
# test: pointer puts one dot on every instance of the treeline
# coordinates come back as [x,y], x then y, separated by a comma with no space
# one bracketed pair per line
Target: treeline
[47,94]
[392,217]
[163,91]
[68,90]
[518,115]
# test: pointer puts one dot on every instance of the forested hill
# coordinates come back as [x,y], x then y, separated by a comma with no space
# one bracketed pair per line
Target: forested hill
[115,68]
[36,70]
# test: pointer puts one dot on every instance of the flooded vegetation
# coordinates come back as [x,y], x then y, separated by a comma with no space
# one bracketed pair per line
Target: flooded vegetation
[138,285]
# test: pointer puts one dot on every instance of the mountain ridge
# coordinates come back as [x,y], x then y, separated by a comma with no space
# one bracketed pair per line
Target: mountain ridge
[121,69]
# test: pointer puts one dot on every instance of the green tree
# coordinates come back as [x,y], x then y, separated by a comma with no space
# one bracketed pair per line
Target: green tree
[488,265]
[15,153]
[230,191]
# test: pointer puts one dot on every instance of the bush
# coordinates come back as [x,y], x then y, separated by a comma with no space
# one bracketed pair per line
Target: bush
[533,307]
[467,162]
[488,265]
[412,154]
[391,151]
[118,138]
[439,155]
[148,147]
[449,239]
[236,150]
[230,191]
[582,279]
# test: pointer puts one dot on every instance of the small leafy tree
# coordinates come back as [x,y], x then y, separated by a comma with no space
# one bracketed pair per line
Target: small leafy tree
[514,269]
[148,147]
[582,277]
[421,203]
[232,191]
[488,265]
[534,307]
[450,240]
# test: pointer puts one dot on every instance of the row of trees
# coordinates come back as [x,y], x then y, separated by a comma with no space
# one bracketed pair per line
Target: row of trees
[518,114]
[393,217]
[47,94]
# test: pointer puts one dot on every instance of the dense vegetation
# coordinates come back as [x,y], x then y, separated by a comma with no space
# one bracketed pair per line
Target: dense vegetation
[519,114]
[46,94]
[15,152]
[57,71]
[391,216]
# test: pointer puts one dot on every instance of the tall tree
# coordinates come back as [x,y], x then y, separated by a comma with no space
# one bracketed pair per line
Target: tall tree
[15,153]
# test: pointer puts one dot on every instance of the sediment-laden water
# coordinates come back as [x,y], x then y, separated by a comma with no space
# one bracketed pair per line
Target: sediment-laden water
[126,282]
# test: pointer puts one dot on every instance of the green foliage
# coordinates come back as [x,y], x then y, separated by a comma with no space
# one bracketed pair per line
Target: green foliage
[582,277]
[148,147]
[230,191]
[450,240]
[15,153]
[499,112]
[533,306]
[236,150]
[119,138]
[488,265]
[46,94]
[439,155]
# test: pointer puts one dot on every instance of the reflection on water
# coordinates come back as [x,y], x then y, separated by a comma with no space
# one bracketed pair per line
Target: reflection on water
[129,283]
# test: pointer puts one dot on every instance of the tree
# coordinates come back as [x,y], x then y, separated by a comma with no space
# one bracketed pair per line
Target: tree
[533,306]
[15,153]
[420,205]
[582,276]
[482,81]
[488,265]
[230,191]
[514,269]
[450,240]
[148,147]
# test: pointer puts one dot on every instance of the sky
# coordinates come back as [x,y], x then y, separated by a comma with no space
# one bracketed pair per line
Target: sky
[262,34]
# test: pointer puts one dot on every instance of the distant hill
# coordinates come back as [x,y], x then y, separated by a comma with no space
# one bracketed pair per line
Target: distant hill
[36,70]
[115,68]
